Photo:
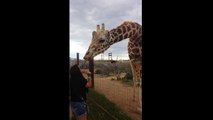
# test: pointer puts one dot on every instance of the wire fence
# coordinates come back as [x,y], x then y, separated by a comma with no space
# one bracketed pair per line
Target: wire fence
[119,92]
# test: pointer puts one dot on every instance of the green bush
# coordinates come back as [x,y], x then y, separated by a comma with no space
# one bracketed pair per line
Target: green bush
[128,76]
[108,68]
[98,71]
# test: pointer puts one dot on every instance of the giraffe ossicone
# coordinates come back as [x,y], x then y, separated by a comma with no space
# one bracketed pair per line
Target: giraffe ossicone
[102,39]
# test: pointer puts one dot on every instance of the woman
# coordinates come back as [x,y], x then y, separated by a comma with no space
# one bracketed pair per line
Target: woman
[78,88]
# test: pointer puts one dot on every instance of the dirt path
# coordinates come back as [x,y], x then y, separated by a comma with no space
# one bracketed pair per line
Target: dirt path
[118,93]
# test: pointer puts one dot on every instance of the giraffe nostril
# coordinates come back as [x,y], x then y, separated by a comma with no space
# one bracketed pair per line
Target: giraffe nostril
[87,53]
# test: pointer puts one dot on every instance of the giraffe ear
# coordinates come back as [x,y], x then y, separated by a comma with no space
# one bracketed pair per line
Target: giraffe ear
[94,33]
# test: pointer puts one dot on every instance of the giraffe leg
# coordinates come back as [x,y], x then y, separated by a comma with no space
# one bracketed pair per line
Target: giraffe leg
[138,84]
[140,90]
[134,79]
[140,98]
[134,89]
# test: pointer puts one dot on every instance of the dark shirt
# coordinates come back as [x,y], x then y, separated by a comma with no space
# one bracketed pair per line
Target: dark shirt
[77,85]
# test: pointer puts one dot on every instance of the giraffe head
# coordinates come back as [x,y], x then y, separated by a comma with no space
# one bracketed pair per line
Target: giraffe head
[99,43]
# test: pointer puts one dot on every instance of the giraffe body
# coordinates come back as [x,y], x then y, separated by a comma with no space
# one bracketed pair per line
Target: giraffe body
[102,39]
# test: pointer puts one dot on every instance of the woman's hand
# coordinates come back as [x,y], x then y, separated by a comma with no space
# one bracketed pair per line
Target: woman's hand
[89,84]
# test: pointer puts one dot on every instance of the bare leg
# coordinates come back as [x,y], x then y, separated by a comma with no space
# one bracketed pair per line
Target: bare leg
[70,112]
[84,117]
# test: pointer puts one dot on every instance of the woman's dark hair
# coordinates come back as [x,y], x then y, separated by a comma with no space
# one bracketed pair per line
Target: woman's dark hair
[75,72]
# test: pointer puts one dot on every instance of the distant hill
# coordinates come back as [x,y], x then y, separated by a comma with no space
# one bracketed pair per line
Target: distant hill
[72,58]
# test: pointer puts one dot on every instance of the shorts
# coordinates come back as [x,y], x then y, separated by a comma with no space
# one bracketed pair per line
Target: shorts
[79,108]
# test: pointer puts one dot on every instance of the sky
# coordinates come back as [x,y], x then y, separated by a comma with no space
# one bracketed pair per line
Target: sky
[85,15]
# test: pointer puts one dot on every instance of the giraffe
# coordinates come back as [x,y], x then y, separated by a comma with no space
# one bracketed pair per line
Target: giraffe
[102,39]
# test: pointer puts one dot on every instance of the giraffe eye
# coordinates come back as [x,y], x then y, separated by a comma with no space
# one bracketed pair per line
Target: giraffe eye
[101,40]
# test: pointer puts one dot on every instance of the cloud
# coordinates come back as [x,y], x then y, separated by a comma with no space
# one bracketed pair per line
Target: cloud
[86,14]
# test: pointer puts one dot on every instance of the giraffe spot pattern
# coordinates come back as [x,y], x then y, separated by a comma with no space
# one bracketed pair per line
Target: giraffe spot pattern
[124,29]
[135,36]
[130,57]
[116,39]
[134,56]
[119,31]
[131,40]
[130,45]
[133,25]
[114,34]
[134,31]
[126,35]
[130,34]
[129,49]
[120,37]
[140,30]
[137,27]
[135,50]
[128,28]
[136,44]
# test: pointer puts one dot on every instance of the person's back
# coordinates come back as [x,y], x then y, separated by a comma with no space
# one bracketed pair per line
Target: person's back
[78,82]
[78,86]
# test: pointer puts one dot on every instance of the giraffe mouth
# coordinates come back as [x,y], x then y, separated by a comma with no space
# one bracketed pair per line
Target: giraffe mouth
[87,58]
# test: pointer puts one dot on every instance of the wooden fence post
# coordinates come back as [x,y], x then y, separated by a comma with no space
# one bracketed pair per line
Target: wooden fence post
[77,58]
[91,69]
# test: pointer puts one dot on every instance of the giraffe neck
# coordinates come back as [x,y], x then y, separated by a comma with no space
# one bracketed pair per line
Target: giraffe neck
[125,30]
